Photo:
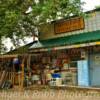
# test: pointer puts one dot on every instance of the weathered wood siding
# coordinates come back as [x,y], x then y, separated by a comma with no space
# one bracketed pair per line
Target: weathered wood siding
[92,23]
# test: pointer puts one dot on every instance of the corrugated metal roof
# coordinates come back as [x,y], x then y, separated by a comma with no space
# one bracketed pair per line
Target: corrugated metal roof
[22,49]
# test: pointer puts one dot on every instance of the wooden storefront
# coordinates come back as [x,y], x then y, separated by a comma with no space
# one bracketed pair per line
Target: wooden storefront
[65,44]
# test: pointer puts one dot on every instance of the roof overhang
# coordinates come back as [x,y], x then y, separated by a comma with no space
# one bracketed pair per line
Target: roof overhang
[66,47]
[73,41]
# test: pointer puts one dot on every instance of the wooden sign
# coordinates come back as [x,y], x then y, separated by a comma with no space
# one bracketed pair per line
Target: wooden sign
[69,25]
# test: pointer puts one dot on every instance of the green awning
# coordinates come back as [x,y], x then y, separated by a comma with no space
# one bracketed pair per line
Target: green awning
[69,40]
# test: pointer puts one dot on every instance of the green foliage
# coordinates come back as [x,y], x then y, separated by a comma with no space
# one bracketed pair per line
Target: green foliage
[97,7]
[14,21]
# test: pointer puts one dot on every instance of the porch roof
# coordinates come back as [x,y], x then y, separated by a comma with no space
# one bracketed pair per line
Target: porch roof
[69,40]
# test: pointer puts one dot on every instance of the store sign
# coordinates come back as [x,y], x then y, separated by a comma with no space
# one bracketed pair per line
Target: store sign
[69,25]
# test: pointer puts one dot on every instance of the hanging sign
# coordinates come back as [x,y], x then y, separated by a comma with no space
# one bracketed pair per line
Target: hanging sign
[97,60]
[69,25]
[83,54]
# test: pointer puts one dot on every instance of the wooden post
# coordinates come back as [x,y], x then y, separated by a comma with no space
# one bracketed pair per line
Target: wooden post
[22,76]
[29,64]
[13,75]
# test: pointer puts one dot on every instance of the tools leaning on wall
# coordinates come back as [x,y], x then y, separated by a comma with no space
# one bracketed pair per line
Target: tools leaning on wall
[5,83]
[7,74]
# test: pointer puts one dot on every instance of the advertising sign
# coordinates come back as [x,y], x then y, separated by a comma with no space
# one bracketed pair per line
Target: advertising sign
[69,25]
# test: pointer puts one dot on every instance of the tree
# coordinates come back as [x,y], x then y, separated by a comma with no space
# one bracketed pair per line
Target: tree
[16,21]
[97,7]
